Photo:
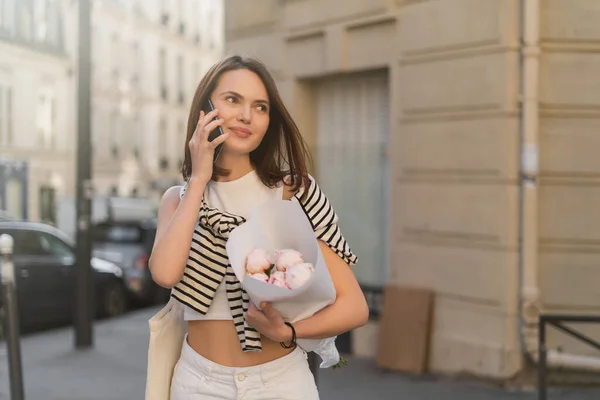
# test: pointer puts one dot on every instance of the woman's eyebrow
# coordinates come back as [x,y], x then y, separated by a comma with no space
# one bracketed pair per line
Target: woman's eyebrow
[236,94]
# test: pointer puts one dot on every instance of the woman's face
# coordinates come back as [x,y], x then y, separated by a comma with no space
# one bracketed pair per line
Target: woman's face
[243,104]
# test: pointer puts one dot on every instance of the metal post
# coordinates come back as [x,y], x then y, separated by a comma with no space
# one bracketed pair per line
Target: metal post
[12,318]
[542,355]
[84,289]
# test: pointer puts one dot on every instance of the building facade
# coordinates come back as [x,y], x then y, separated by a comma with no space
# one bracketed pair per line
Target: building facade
[36,106]
[148,57]
[456,139]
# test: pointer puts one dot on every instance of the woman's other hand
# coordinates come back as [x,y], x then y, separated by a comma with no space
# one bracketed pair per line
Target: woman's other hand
[268,322]
[201,150]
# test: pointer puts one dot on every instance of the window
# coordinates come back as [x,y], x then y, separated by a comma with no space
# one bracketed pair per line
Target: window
[136,64]
[6,117]
[164,18]
[162,71]
[136,133]
[25,20]
[116,46]
[41,21]
[181,132]
[163,161]
[48,205]
[7,17]
[52,245]
[162,138]
[180,14]
[36,243]
[112,130]
[180,79]
[14,189]
[46,116]
[2,116]
[28,243]
[9,116]
[45,19]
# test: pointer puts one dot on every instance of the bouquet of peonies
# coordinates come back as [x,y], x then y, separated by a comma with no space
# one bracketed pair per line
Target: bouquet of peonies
[284,268]
[276,257]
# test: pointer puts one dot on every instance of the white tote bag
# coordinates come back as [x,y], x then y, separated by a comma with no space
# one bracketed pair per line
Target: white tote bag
[167,332]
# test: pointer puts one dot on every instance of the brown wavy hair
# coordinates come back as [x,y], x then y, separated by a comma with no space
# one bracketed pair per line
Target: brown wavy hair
[282,152]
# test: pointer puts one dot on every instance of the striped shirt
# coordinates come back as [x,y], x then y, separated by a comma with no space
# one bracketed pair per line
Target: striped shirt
[208,263]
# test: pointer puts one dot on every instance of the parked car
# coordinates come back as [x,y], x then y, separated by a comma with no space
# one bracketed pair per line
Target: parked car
[44,260]
[128,243]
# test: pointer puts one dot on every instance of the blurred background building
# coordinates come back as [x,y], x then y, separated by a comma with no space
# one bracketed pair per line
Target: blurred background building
[36,108]
[427,119]
[147,61]
[147,58]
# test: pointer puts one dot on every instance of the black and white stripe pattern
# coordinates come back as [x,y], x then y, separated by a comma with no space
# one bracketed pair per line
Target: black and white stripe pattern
[208,263]
[324,221]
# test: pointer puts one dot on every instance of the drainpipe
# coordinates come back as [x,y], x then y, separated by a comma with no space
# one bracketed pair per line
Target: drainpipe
[529,295]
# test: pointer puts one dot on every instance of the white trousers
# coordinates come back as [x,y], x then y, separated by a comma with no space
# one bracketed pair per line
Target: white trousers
[286,378]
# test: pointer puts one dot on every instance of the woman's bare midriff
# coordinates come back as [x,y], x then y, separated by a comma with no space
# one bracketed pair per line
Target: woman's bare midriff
[218,341]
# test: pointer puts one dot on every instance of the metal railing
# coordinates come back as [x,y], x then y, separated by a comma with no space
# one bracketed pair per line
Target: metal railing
[557,321]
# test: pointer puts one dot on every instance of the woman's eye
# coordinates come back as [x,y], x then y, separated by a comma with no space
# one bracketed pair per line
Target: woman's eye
[231,99]
[262,108]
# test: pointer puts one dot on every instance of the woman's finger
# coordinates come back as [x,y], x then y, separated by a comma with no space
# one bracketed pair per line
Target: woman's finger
[195,134]
[205,118]
[204,123]
[210,127]
[218,140]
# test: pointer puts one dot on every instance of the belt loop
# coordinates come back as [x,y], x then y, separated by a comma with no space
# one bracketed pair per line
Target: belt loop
[263,378]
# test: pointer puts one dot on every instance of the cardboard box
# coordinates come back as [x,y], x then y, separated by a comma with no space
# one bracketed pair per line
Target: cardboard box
[405,329]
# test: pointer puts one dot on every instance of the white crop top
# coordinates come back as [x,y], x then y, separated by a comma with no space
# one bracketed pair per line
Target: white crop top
[237,197]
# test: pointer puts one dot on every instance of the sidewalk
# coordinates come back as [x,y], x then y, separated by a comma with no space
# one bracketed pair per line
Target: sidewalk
[116,369]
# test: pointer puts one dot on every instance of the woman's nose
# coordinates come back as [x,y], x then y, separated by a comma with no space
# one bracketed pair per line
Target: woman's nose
[245,115]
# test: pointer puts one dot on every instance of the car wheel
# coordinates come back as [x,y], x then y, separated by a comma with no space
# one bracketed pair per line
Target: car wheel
[115,300]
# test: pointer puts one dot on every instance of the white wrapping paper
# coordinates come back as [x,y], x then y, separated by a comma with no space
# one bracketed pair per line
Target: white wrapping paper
[278,225]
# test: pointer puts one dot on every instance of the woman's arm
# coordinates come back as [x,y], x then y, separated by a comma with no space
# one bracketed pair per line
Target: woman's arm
[176,221]
[350,309]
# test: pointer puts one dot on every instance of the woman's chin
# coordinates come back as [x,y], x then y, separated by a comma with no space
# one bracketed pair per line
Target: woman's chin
[238,147]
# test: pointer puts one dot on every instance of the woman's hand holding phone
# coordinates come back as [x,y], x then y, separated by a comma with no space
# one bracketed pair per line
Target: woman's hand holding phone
[201,150]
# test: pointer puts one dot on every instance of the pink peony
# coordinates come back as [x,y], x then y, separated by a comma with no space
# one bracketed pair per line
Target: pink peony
[297,275]
[260,276]
[286,258]
[257,261]
[278,279]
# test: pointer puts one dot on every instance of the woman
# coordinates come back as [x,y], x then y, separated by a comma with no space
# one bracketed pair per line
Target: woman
[230,354]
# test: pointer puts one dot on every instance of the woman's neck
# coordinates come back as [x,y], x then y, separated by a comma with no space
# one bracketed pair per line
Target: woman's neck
[238,166]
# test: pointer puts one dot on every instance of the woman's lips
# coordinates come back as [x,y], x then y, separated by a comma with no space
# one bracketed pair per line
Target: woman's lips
[241,132]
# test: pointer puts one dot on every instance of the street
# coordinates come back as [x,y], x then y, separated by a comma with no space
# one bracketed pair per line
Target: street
[116,369]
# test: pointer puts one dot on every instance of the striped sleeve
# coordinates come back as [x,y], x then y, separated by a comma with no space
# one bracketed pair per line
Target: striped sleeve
[324,221]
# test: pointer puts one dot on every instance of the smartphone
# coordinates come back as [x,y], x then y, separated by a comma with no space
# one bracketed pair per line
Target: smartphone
[215,133]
